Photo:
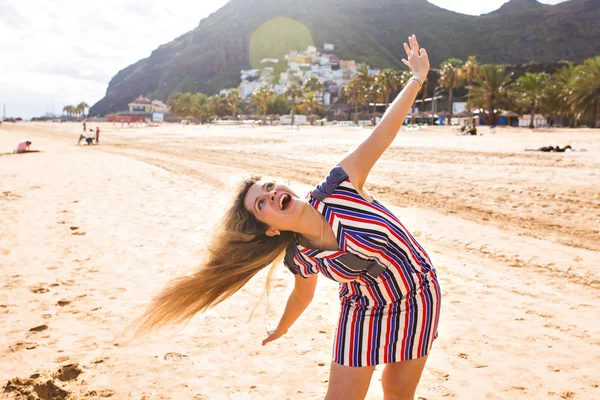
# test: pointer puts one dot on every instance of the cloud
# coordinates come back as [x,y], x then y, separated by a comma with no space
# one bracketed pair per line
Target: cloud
[63,52]
[10,16]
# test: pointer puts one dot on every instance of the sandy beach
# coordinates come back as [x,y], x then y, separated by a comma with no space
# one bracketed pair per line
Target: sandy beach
[90,233]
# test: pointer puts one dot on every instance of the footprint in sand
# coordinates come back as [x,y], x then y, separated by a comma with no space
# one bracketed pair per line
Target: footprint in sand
[63,303]
[176,357]
[39,328]
[73,228]
[100,393]
[40,290]
[68,372]
[77,233]
[22,345]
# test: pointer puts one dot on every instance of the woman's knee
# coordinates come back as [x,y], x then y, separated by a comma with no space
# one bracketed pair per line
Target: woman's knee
[348,383]
[400,380]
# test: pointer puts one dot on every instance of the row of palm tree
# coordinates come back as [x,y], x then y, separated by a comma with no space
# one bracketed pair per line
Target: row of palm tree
[298,98]
[76,111]
[572,92]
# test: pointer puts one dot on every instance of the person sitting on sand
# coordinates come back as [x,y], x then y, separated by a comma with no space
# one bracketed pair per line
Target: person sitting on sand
[388,287]
[23,147]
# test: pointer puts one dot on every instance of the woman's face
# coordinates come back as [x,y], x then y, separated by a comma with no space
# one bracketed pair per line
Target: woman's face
[274,204]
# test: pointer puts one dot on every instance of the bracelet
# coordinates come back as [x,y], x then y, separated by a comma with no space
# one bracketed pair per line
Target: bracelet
[416,78]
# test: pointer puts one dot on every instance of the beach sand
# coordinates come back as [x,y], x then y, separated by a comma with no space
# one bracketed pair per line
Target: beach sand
[90,233]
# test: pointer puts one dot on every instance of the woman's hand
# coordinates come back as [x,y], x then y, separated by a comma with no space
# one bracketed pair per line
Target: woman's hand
[273,335]
[418,61]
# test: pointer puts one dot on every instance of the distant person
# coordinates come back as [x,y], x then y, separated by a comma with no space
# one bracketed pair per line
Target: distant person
[559,150]
[493,129]
[97,135]
[89,140]
[388,287]
[84,126]
[23,147]
[81,137]
[552,149]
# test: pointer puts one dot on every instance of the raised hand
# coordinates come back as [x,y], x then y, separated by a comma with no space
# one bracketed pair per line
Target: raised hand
[418,61]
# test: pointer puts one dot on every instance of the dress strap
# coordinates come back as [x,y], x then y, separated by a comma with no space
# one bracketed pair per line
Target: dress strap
[326,188]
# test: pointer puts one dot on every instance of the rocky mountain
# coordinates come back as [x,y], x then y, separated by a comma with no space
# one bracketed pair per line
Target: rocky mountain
[233,38]
[517,5]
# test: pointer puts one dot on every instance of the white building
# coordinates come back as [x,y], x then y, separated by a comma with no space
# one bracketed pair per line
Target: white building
[298,120]
[328,47]
[247,88]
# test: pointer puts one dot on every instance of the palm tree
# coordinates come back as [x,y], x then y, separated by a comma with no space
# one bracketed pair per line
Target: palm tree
[312,84]
[82,106]
[389,81]
[293,92]
[530,89]
[68,110]
[364,80]
[217,104]
[585,95]
[563,82]
[310,105]
[188,104]
[451,76]
[355,94]
[374,94]
[403,78]
[201,108]
[490,92]
[261,99]
[470,70]
[233,100]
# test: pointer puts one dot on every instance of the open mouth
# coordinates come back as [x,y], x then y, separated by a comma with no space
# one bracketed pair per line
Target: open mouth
[284,201]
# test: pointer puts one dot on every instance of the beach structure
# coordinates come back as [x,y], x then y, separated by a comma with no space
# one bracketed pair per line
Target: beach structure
[141,110]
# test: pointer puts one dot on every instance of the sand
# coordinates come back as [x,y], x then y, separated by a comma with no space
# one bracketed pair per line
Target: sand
[90,233]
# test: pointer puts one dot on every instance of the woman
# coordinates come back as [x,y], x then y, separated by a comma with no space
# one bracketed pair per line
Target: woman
[388,287]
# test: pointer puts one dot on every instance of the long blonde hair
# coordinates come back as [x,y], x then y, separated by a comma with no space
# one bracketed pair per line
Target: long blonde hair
[238,251]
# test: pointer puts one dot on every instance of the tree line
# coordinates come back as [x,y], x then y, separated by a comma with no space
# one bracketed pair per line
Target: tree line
[77,111]
[572,93]
[298,98]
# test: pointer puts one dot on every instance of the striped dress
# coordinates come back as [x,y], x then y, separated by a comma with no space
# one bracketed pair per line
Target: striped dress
[390,296]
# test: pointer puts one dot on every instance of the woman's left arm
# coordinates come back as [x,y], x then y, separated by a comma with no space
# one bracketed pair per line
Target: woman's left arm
[358,163]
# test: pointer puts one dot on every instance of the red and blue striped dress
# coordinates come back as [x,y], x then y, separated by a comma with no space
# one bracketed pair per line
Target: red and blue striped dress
[390,296]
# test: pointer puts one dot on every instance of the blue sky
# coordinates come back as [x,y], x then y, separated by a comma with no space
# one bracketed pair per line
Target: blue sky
[60,52]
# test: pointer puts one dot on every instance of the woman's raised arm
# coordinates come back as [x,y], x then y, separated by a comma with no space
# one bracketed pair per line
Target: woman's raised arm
[358,162]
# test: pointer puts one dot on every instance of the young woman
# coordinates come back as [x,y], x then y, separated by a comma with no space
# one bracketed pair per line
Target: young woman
[390,297]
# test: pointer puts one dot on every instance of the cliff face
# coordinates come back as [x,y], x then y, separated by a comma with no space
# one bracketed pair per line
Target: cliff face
[211,56]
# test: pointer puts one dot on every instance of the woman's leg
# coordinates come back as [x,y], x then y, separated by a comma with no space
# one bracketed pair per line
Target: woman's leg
[400,380]
[348,383]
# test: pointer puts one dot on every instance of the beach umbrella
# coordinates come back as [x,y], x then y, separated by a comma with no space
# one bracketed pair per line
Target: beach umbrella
[465,113]
[509,115]
[444,114]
